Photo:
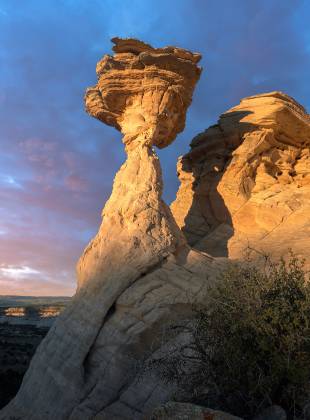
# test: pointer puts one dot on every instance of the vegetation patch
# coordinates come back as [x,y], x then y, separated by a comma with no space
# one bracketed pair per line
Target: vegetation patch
[249,346]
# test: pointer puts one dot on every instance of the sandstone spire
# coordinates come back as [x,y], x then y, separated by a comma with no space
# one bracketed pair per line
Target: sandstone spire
[144,92]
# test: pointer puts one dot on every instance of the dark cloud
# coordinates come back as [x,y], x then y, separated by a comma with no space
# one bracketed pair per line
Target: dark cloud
[57,164]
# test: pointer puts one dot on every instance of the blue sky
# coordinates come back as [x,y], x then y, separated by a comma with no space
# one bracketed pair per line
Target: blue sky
[57,164]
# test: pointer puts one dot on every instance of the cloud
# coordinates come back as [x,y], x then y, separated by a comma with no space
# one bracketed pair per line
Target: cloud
[18,272]
[75,183]
[9,181]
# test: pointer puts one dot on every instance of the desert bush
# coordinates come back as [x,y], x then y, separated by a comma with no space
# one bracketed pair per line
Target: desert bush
[249,346]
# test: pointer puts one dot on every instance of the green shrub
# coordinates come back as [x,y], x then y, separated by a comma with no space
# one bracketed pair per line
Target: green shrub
[249,347]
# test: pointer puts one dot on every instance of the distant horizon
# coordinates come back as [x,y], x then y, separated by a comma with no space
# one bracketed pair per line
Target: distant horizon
[58,164]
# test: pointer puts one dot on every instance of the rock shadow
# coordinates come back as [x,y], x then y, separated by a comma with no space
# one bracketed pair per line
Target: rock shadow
[208,225]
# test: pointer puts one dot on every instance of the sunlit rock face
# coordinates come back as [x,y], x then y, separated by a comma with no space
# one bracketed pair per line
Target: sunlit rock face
[246,181]
[137,271]
[143,91]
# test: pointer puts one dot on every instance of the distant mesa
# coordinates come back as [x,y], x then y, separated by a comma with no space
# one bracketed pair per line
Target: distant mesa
[28,310]
[49,312]
[19,312]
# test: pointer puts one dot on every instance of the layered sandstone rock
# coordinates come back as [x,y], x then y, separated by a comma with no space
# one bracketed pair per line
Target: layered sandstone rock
[138,269]
[246,180]
[141,89]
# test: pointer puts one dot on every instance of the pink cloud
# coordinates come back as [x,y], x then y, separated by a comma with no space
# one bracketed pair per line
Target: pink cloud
[76,183]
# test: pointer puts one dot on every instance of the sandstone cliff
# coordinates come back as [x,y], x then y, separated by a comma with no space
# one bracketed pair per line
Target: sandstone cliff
[246,181]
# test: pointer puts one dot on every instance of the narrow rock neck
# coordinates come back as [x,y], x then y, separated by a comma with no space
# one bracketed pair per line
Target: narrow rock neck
[137,234]
[137,229]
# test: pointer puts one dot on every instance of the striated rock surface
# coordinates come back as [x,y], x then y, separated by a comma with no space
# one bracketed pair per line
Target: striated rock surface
[246,180]
[141,89]
[137,271]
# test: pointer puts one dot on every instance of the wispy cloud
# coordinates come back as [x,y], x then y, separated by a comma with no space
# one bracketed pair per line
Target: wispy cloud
[18,272]
[9,181]
[3,12]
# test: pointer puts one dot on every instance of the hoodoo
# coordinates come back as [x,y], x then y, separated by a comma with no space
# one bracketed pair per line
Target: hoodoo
[81,368]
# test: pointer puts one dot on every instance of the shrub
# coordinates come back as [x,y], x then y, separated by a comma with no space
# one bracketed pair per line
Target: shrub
[249,346]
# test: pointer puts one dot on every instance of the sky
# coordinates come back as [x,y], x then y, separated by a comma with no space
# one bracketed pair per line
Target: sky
[57,164]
